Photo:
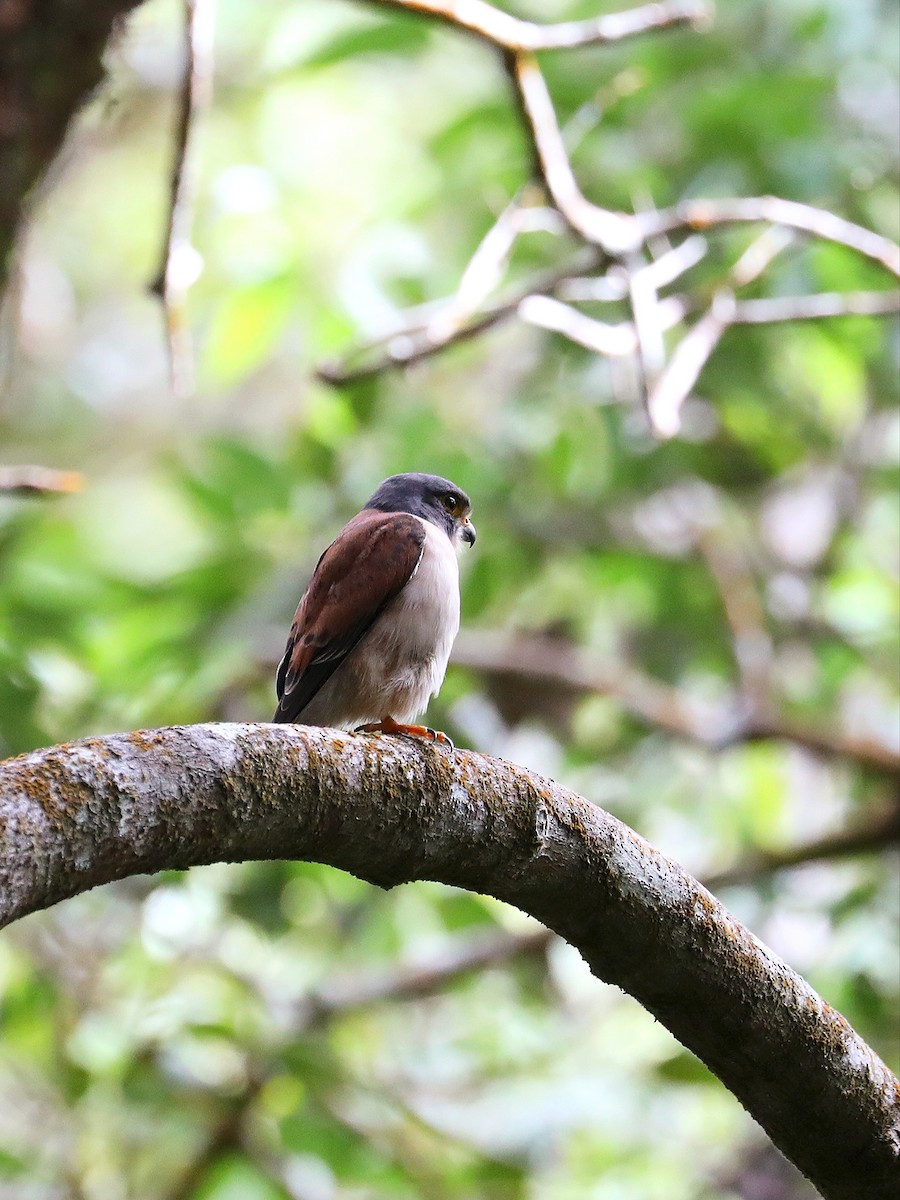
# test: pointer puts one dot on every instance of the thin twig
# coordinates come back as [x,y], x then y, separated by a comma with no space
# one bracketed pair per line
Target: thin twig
[613,341]
[503,30]
[180,263]
[466,955]
[879,833]
[650,353]
[692,353]
[672,264]
[39,481]
[552,661]
[812,308]
[413,343]
[487,266]
[599,336]
[833,743]
[615,233]
[673,385]
[705,214]
[760,254]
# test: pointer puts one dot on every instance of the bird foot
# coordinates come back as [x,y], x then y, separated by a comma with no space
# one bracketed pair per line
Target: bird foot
[389,725]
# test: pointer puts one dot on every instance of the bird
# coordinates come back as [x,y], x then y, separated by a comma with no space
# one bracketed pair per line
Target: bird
[371,637]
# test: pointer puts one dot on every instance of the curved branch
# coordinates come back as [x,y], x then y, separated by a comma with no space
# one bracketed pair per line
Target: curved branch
[391,811]
[614,232]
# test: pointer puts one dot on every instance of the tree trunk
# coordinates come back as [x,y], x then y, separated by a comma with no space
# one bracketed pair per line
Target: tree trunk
[50,60]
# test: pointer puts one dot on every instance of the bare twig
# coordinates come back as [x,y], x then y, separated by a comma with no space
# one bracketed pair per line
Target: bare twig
[603,338]
[672,264]
[473,953]
[674,384]
[599,336]
[413,343]
[650,353]
[692,353]
[180,262]
[39,481]
[812,308]
[644,283]
[501,29]
[623,237]
[486,268]
[760,254]
[866,752]
[552,661]
[772,210]
[613,232]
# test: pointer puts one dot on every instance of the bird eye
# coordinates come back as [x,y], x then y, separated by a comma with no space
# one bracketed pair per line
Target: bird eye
[451,502]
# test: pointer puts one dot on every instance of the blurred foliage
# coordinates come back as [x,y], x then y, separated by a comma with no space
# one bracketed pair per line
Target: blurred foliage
[157,1037]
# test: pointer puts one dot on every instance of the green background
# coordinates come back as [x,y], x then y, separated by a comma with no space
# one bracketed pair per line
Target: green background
[156,1035]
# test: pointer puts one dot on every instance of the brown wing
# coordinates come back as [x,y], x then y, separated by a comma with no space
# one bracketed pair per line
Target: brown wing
[370,562]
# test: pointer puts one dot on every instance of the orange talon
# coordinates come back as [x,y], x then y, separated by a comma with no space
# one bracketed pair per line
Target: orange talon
[389,725]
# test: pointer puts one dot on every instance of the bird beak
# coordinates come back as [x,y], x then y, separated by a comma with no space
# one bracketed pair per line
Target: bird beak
[467,532]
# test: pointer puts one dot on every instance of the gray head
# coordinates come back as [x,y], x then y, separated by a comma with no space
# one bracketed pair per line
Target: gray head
[428,496]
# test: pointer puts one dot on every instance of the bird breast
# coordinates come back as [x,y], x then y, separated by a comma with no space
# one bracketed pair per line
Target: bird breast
[414,636]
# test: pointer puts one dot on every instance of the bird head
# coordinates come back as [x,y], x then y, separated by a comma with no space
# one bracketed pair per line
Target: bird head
[433,499]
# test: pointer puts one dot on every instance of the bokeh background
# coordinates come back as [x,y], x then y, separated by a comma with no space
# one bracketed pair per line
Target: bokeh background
[281,1031]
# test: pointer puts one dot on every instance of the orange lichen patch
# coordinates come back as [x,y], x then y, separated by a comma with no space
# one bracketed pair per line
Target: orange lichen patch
[148,739]
[50,785]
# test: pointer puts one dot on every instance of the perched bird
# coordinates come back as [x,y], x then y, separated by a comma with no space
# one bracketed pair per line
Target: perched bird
[372,633]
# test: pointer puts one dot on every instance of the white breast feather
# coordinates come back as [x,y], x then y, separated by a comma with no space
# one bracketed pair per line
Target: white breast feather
[411,642]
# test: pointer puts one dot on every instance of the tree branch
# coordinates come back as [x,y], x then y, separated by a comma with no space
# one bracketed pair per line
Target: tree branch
[879,833]
[391,811]
[501,29]
[772,210]
[474,952]
[630,237]
[557,663]
[416,340]
[615,233]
